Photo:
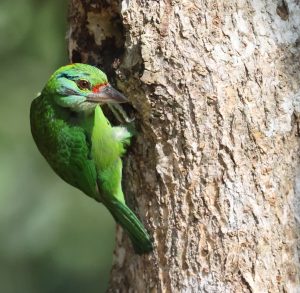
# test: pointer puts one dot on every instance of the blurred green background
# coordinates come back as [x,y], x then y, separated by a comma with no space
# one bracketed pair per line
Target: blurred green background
[52,238]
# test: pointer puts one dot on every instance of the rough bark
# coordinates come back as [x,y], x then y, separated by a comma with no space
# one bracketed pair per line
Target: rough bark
[213,171]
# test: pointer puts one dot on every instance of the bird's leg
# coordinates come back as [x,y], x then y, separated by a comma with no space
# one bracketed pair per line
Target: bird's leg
[115,113]
[119,113]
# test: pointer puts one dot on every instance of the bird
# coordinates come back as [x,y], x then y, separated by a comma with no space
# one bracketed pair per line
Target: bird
[80,144]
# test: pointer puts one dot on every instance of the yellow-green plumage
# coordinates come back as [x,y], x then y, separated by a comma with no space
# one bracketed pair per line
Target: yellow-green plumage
[80,144]
[107,150]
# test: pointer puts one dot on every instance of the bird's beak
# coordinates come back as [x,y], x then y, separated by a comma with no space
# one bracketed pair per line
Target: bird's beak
[106,94]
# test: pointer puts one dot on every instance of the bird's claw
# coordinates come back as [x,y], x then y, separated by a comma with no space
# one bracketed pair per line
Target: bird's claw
[120,113]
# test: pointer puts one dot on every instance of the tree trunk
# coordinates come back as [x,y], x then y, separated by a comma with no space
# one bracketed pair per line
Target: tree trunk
[213,170]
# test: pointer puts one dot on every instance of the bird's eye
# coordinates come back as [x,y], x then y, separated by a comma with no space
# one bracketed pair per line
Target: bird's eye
[83,84]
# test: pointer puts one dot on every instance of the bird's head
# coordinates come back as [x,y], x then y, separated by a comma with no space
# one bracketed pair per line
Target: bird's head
[80,87]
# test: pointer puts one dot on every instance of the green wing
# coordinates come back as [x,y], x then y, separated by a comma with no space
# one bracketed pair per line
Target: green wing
[73,162]
[65,147]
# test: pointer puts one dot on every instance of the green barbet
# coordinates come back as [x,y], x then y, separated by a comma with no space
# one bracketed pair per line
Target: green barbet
[80,144]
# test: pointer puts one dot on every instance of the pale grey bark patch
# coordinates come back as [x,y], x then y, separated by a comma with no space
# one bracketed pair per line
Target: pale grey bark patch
[212,172]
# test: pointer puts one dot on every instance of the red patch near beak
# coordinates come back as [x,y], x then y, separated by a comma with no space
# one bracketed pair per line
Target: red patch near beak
[97,88]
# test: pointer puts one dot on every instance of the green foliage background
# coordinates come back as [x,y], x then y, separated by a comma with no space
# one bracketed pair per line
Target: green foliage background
[52,238]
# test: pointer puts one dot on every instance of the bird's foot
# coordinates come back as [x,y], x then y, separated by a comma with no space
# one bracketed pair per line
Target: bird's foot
[120,113]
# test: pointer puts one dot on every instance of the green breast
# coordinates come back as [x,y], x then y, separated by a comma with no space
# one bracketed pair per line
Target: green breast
[106,152]
[106,149]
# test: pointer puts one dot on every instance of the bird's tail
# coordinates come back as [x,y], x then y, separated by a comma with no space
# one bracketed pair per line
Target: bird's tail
[139,236]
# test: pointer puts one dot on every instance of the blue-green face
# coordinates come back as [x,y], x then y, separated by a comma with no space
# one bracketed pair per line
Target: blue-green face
[81,87]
